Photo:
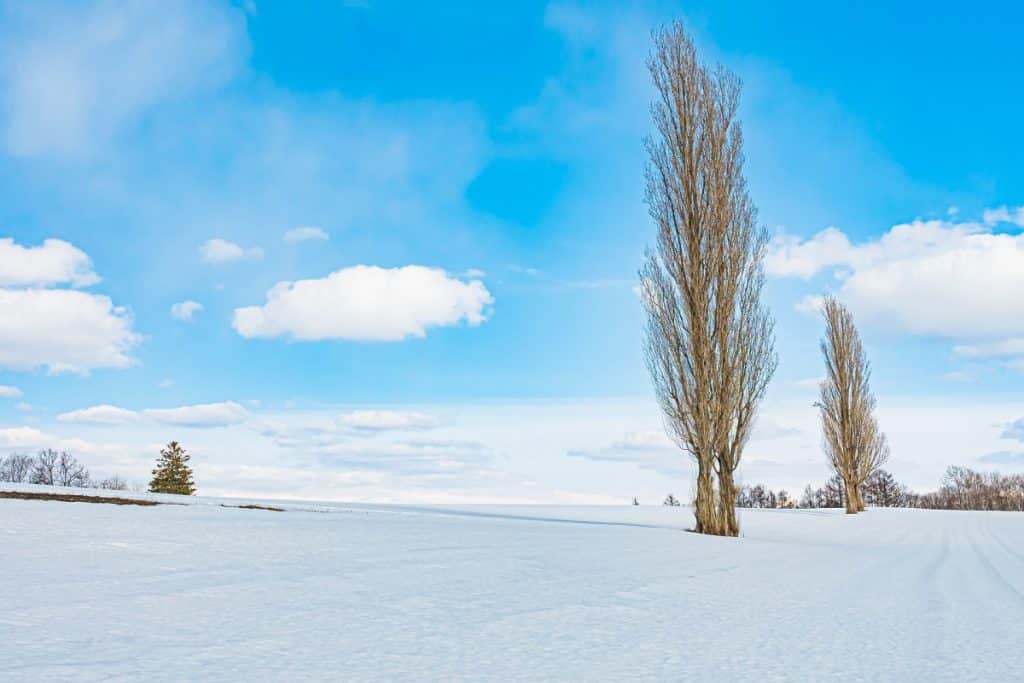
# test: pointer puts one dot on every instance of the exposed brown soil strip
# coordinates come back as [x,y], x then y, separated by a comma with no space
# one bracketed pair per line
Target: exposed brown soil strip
[75,498]
[253,507]
[113,500]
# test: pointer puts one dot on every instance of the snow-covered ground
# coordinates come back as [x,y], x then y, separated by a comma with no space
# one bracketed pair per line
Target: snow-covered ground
[359,592]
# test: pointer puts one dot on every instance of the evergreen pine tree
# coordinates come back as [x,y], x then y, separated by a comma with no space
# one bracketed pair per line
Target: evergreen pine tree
[172,473]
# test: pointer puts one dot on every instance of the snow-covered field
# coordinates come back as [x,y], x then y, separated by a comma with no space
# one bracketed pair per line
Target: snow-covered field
[359,592]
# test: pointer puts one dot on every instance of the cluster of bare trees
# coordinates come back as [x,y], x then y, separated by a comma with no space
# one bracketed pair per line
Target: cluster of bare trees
[52,468]
[962,489]
[709,340]
[759,496]
[879,490]
[966,489]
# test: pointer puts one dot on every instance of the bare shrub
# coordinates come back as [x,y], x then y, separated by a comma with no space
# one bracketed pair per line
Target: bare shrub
[114,483]
[15,468]
[44,468]
[70,472]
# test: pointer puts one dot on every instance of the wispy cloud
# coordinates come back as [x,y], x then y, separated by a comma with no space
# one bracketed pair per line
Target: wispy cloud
[184,310]
[218,251]
[306,234]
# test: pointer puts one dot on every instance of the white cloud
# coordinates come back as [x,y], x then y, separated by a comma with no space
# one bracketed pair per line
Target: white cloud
[23,437]
[63,330]
[29,438]
[24,407]
[386,420]
[1004,214]
[9,392]
[72,76]
[184,310]
[954,280]
[766,429]
[1014,430]
[166,383]
[996,349]
[648,450]
[654,450]
[305,234]
[422,457]
[101,414]
[217,251]
[1011,458]
[356,445]
[789,256]
[53,262]
[202,415]
[366,303]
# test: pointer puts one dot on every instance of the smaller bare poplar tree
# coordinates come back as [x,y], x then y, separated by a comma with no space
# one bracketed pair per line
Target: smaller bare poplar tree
[853,442]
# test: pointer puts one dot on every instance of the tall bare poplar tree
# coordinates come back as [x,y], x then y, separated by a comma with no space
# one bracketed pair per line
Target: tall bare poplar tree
[854,444]
[709,340]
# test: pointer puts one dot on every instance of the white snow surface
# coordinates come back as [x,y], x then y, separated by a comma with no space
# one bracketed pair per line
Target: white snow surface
[338,592]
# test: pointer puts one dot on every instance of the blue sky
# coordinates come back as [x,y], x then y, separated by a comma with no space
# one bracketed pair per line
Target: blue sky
[387,251]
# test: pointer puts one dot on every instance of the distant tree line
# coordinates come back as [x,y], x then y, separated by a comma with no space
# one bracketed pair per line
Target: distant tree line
[53,468]
[879,490]
[172,474]
[759,496]
[962,489]
[965,489]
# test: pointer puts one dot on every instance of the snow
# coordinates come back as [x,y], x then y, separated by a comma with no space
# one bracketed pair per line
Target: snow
[327,591]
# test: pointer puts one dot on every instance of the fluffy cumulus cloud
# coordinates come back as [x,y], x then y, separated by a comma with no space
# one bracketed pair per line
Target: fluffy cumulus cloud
[366,303]
[51,263]
[306,234]
[64,331]
[386,420]
[955,280]
[184,310]
[217,251]
[74,75]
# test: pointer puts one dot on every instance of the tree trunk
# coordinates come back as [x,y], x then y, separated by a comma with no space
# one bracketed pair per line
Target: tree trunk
[727,504]
[704,506]
[858,499]
[851,497]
